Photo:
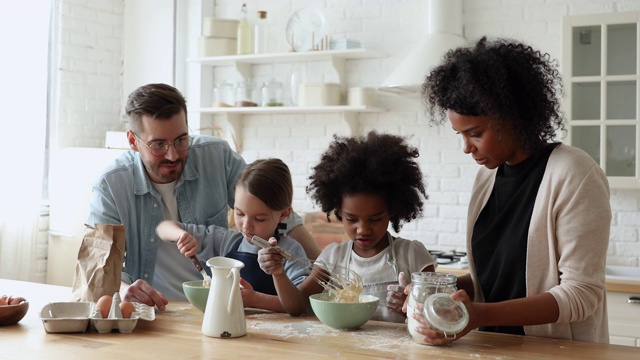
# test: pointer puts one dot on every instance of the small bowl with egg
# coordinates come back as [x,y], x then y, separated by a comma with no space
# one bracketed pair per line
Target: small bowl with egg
[196,293]
[343,315]
[12,310]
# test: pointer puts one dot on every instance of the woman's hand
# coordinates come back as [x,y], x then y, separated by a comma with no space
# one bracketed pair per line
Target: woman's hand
[437,338]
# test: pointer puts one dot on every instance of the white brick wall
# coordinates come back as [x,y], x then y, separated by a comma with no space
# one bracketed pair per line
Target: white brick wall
[88,71]
[91,104]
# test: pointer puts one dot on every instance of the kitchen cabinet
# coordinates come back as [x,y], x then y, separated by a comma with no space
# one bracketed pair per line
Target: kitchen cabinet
[600,56]
[624,318]
[244,65]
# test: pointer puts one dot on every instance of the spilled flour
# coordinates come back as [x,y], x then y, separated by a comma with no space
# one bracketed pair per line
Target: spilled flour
[387,341]
[366,337]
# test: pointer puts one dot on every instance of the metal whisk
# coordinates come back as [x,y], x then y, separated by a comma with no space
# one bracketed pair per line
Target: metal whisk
[331,281]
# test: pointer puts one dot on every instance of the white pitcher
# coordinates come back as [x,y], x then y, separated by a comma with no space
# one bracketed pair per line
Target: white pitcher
[224,314]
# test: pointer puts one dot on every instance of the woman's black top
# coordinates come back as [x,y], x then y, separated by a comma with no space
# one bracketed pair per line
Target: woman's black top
[499,239]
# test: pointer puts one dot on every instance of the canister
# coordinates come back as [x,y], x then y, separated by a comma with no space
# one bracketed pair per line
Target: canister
[423,285]
[362,96]
[219,27]
[223,94]
[211,46]
[272,91]
[319,94]
[246,94]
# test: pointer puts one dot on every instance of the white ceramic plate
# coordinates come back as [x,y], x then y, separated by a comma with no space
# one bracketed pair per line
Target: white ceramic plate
[306,28]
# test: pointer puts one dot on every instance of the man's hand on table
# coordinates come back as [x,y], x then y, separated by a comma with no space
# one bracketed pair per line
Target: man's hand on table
[141,291]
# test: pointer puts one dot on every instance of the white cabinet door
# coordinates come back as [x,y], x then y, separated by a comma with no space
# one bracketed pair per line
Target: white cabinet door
[624,319]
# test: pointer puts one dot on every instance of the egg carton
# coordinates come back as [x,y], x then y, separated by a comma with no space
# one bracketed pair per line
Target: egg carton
[115,320]
[67,317]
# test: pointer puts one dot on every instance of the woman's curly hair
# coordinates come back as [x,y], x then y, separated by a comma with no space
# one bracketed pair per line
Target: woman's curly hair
[508,82]
[379,164]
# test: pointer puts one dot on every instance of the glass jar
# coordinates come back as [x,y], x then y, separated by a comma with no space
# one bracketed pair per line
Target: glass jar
[246,94]
[272,91]
[424,284]
[223,94]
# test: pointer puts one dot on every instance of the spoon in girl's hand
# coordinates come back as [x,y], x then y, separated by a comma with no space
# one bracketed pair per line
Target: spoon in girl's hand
[206,282]
[206,279]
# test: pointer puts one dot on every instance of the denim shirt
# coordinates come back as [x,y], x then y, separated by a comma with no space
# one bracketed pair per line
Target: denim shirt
[123,194]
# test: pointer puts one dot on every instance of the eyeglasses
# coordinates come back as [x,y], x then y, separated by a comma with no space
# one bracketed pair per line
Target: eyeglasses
[159,148]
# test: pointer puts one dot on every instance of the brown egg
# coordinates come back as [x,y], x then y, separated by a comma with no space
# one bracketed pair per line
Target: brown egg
[104,305]
[16,300]
[127,309]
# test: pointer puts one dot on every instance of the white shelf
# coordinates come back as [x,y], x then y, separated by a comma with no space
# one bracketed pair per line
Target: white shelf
[288,109]
[306,56]
[244,65]
[233,115]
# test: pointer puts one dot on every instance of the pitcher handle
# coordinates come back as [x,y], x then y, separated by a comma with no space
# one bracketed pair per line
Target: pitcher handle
[236,282]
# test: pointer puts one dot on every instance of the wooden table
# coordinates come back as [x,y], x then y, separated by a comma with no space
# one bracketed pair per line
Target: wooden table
[176,334]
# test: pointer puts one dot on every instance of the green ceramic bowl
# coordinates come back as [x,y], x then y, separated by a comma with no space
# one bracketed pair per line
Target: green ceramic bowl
[196,293]
[343,315]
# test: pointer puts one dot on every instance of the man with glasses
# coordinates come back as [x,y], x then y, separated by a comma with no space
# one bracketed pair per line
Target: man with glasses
[169,175]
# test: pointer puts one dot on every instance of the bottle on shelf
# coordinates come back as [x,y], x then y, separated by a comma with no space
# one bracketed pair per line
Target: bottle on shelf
[261,34]
[244,33]
[298,77]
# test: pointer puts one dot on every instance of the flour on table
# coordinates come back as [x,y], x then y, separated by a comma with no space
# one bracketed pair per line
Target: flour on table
[366,337]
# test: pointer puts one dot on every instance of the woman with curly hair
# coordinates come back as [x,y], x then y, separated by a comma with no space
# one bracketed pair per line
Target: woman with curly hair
[539,214]
[368,183]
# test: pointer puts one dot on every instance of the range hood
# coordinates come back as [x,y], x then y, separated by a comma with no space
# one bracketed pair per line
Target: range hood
[445,33]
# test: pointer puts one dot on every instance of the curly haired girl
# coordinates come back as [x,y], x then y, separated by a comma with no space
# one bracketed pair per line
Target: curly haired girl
[369,183]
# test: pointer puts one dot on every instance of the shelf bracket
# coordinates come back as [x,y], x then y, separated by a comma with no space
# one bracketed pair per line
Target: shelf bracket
[351,119]
[338,64]
[234,124]
[245,69]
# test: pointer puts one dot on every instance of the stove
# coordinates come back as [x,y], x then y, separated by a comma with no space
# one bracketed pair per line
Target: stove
[450,258]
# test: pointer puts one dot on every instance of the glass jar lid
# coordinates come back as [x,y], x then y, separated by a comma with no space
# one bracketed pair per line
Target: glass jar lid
[445,315]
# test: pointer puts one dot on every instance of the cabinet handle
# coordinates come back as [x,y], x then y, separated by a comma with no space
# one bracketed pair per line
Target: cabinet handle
[633,300]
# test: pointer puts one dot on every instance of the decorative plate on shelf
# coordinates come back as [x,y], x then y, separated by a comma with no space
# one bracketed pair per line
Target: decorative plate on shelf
[306,28]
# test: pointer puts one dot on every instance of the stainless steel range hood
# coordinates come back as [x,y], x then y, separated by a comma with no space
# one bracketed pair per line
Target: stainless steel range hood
[445,33]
